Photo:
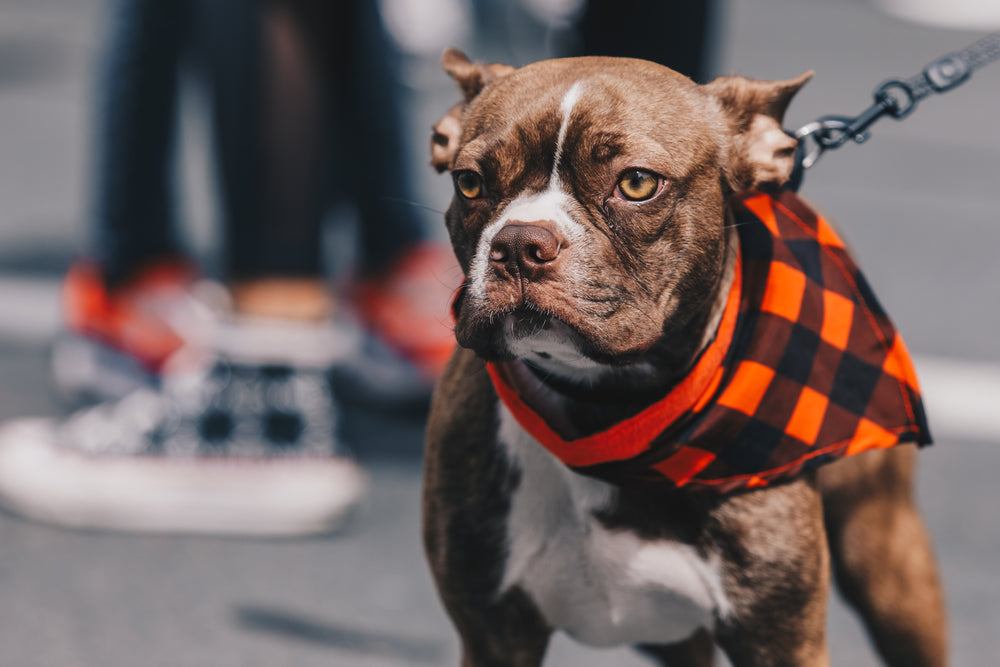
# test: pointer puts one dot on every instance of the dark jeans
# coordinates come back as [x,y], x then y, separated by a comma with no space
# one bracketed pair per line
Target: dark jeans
[673,33]
[282,154]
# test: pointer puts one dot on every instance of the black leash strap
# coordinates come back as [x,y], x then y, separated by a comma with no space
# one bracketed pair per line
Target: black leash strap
[896,97]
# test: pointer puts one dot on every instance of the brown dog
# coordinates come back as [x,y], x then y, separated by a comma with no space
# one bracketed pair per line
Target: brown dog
[609,263]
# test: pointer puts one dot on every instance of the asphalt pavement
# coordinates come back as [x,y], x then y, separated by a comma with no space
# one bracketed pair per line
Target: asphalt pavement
[919,202]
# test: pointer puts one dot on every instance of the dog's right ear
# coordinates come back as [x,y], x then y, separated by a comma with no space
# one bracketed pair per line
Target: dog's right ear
[471,78]
[760,154]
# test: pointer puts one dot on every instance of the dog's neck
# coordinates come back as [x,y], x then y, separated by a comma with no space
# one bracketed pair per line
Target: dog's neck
[581,398]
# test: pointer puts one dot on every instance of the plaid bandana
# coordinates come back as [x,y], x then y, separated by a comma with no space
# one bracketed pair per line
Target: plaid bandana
[805,368]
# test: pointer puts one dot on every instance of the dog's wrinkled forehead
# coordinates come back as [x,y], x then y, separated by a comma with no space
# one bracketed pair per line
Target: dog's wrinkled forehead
[586,110]
[511,120]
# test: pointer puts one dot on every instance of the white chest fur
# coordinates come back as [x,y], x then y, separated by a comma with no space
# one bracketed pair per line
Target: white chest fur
[603,587]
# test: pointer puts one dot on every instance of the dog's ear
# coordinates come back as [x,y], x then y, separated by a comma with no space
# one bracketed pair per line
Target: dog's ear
[444,138]
[761,155]
[471,78]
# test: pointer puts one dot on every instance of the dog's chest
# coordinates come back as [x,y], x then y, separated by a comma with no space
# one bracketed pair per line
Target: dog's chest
[602,586]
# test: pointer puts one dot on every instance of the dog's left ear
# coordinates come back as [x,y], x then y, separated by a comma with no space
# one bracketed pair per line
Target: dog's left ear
[761,155]
[471,79]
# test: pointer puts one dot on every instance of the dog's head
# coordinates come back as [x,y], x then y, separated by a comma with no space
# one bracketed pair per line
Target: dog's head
[590,201]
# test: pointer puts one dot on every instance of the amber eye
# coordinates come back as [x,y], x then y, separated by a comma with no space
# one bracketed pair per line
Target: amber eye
[469,184]
[638,185]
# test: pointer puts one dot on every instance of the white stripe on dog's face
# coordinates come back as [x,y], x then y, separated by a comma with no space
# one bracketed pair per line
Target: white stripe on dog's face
[552,204]
[569,101]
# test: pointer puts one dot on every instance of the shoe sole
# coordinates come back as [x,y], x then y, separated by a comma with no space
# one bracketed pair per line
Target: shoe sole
[217,496]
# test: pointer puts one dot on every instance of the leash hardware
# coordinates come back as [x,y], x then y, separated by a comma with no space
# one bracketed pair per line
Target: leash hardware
[947,72]
[834,131]
[898,97]
[895,97]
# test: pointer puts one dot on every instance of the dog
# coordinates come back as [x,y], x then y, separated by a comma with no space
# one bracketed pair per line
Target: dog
[614,450]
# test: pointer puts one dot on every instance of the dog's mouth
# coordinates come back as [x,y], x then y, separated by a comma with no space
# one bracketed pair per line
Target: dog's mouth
[497,336]
[582,324]
[526,322]
[533,334]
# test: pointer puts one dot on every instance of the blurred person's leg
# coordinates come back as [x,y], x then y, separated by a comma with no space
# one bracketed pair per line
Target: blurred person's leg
[134,204]
[675,33]
[268,177]
[135,264]
[121,307]
[366,67]
[408,276]
[272,154]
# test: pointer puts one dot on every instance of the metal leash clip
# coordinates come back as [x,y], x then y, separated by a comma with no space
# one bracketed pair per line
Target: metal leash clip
[895,97]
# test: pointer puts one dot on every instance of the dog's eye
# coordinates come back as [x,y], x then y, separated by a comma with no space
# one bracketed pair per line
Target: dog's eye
[638,185]
[469,184]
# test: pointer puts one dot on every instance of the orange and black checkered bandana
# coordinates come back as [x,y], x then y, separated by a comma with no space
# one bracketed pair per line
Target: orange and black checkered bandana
[805,368]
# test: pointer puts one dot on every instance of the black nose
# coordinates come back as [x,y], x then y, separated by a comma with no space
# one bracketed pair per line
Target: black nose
[525,248]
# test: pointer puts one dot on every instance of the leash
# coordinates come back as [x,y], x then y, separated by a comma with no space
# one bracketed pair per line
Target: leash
[896,98]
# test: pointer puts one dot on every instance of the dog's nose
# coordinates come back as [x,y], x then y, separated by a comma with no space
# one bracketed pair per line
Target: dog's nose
[528,248]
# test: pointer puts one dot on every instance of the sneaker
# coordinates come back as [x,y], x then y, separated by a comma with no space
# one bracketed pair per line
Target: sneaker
[117,341]
[244,442]
[407,307]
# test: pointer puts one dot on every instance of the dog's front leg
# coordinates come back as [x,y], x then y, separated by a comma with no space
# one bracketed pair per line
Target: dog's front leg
[777,577]
[696,651]
[467,487]
[464,547]
[506,633]
[496,630]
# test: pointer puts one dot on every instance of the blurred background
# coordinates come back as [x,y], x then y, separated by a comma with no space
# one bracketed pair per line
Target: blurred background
[919,203]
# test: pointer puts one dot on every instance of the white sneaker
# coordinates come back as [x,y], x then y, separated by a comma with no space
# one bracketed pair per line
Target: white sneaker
[245,443]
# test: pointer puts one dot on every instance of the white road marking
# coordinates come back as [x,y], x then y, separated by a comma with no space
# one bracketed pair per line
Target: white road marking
[29,309]
[962,396]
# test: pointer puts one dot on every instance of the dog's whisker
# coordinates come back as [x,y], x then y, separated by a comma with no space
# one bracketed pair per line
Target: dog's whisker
[636,309]
[415,204]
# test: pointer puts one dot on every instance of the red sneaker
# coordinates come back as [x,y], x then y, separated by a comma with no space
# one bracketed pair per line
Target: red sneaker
[117,341]
[408,306]
[132,319]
